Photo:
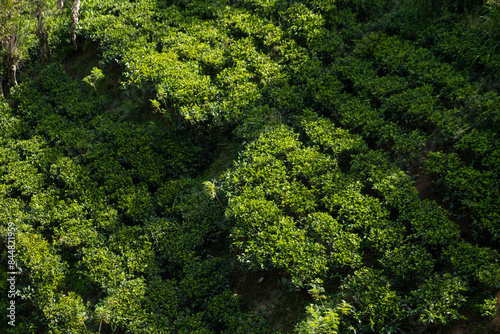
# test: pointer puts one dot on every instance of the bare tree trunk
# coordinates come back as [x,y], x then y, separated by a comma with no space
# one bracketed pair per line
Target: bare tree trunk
[11,46]
[74,25]
[42,36]
[60,5]
[13,75]
[1,85]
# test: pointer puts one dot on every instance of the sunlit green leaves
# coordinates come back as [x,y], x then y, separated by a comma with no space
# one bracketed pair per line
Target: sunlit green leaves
[439,299]
[375,301]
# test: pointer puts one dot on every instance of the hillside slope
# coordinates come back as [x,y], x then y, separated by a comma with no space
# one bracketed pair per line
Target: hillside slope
[251,167]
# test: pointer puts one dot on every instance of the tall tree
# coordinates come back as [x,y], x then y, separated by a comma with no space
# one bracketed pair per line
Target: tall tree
[39,9]
[13,34]
[75,14]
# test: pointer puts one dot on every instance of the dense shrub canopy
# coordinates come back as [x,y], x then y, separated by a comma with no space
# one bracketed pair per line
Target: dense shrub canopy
[249,166]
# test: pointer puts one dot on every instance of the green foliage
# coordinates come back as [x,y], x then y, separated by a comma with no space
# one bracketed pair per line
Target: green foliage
[122,307]
[323,320]
[377,307]
[302,23]
[9,124]
[94,76]
[422,9]
[489,308]
[274,208]
[104,267]
[343,246]
[369,171]
[67,313]
[16,24]
[491,23]
[333,139]
[44,267]
[482,263]
[410,262]
[468,187]
[439,299]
